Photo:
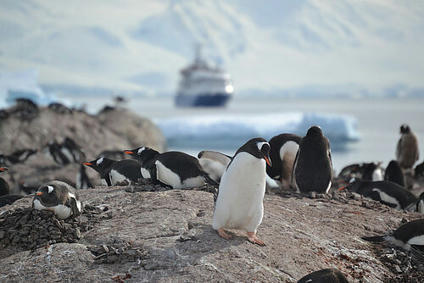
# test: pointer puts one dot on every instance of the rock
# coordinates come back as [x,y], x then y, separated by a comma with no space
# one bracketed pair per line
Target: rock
[167,235]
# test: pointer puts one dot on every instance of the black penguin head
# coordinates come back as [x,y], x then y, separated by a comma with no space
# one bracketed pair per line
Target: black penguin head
[257,147]
[47,195]
[314,131]
[404,129]
[142,154]
[101,165]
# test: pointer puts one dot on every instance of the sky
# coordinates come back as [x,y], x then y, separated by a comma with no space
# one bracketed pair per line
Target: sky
[277,47]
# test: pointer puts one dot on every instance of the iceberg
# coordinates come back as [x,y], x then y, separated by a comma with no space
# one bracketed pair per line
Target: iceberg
[232,131]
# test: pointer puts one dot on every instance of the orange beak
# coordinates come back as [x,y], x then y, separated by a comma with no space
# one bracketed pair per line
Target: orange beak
[128,152]
[39,193]
[341,188]
[88,163]
[268,161]
[2,169]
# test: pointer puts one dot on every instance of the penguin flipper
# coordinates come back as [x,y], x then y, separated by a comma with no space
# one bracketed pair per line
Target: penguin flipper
[374,239]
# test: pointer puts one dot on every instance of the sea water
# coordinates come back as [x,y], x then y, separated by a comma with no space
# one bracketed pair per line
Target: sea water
[360,130]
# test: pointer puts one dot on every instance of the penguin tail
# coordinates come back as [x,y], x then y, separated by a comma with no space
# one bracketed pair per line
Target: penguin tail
[374,239]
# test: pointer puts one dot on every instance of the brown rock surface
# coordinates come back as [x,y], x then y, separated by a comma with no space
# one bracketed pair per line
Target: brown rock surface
[167,236]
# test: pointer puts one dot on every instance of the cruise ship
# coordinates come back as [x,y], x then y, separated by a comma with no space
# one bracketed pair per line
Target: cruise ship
[203,86]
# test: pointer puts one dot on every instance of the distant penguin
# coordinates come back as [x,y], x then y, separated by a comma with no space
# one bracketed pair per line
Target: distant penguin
[21,156]
[409,236]
[420,204]
[330,275]
[313,167]
[54,150]
[407,152]
[386,192]
[372,172]
[58,197]
[82,179]
[72,150]
[116,173]
[283,152]
[241,191]
[394,173]
[173,168]
[4,186]
[112,154]
[214,163]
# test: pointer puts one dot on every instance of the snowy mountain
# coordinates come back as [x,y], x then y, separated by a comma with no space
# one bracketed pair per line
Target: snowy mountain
[275,47]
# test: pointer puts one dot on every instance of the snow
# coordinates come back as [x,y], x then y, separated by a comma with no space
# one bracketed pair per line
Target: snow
[218,131]
[350,48]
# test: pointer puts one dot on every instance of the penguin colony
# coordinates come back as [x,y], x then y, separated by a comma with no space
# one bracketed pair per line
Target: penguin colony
[299,163]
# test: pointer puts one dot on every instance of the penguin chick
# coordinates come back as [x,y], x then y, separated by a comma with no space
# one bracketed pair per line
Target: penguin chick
[240,198]
[313,167]
[407,152]
[329,275]
[116,173]
[214,163]
[283,153]
[58,197]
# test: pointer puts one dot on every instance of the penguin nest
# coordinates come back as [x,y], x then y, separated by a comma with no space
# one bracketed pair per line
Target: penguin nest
[25,229]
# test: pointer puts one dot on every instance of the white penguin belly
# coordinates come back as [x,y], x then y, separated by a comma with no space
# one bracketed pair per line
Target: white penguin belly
[388,199]
[117,178]
[61,211]
[241,192]
[213,168]
[287,155]
[166,176]
[418,240]
[145,173]
[377,175]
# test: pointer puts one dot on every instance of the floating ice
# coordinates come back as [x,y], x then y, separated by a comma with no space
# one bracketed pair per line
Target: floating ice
[230,131]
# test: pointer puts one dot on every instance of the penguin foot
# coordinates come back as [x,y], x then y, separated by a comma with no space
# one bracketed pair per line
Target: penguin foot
[251,236]
[223,234]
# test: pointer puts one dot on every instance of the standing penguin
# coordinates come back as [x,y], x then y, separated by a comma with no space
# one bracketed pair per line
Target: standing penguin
[114,172]
[313,167]
[82,179]
[407,152]
[58,197]
[173,168]
[283,153]
[394,173]
[241,191]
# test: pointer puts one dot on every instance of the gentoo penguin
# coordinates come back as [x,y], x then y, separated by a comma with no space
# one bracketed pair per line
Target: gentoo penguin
[394,173]
[173,168]
[58,197]
[283,153]
[313,167]
[4,186]
[72,150]
[420,204]
[408,236]
[21,156]
[115,173]
[55,152]
[386,192]
[241,191]
[214,163]
[82,180]
[329,275]
[371,171]
[407,152]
